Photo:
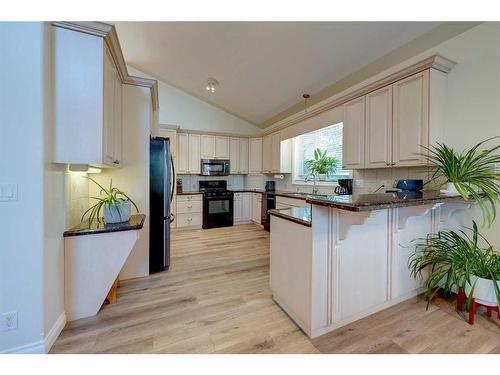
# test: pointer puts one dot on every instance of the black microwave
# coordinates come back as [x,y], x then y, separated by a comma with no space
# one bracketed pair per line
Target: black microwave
[214,167]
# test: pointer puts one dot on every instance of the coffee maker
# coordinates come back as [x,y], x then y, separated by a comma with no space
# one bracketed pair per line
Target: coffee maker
[270,186]
[345,186]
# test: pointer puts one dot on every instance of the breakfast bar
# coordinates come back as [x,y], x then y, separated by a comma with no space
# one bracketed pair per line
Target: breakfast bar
[349,258]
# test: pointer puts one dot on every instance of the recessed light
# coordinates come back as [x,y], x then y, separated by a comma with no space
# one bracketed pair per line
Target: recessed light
[212,83]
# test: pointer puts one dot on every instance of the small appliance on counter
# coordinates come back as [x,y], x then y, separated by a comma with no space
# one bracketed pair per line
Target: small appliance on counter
[179,185]
[345,186]
[409,185]
[270,186]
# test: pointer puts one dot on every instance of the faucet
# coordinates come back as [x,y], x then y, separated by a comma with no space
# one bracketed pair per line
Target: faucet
[314,189]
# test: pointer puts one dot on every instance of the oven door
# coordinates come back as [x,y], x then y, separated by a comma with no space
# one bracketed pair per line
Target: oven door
[211,167]
[217,212]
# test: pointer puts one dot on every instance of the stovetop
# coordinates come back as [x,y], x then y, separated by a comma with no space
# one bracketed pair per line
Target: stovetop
[213,188]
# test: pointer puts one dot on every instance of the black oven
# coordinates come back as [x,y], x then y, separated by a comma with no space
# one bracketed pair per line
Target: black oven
[217,204]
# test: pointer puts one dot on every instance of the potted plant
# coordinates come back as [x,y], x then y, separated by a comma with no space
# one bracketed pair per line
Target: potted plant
[456,262]
[469,173]
[322,165]
[115,204]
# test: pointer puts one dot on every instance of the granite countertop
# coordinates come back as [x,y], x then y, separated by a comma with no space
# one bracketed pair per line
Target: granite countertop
[189,193]
[135,222]
[369,202]
[299,215]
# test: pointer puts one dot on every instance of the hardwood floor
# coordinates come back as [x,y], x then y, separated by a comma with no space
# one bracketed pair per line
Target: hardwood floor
[216,299]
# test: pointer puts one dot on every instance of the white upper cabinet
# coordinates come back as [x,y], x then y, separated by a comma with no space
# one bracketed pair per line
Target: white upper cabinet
[194,154]
[221,147]
[353,147]
[243,156]
[255,155]
[207,147]
[182,153]
[410,119]
[286,156]
[267,154]
[234,155]
[378,136]
[275,153]
[87,101]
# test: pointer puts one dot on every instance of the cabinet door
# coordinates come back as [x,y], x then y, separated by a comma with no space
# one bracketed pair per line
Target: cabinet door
[221,147]
[255,155]
[234,155]
[207,150]
[194,153]
[378,128]
[247,207]
[172,136]
[267,154]
[256,207]
[118,132]
[237,207]
[353,145]
[275,153]
[410,120]
[286,156]
[108,110]
[243,156]
[182,154]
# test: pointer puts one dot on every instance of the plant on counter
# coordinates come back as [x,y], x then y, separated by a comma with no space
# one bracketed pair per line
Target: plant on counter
[116,205]
[469,173]
[454,261]
[321,164]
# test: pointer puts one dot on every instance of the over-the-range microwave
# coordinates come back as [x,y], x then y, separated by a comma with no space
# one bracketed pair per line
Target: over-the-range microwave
[214,167]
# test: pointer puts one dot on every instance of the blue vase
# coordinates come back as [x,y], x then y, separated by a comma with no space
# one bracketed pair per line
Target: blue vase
[117,213]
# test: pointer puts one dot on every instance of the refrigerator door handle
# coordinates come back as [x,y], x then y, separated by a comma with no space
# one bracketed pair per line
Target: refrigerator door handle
[173,183]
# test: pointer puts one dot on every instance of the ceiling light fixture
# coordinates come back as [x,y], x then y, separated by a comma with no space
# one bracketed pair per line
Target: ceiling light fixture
[212,83]
[305,96]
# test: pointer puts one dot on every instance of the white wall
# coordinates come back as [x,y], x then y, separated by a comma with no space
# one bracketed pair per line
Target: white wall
[188,112]
[133,176]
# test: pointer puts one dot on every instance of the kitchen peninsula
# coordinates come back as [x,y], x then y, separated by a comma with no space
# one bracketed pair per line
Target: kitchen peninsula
[346,257]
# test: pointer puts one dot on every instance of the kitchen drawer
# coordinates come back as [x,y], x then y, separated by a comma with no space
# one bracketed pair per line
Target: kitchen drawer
[185,207]
[257,196]
[188,220]
[238,196]
[189,198]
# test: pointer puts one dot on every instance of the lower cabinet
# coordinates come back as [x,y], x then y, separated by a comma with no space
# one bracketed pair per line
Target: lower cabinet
[189,209]
[256,208]
[284,202]
[242,209]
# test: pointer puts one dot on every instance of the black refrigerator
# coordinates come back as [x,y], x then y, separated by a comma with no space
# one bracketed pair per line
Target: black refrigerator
[161,191]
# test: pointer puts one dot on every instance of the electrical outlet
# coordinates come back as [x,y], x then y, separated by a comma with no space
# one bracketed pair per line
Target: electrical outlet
[359,183]
[8,321]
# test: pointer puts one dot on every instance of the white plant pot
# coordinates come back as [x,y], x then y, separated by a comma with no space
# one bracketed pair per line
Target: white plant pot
[322,177]
[484,290]
[451,189]
[117,213]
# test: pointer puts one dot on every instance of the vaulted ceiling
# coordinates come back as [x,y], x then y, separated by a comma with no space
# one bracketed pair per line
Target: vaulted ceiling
[263,68]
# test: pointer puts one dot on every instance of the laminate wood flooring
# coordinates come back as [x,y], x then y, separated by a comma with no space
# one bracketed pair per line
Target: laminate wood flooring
[216,299]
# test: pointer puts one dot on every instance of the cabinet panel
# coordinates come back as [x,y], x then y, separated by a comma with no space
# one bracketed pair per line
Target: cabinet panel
[237,209]
[194,153]
[172,136]
[221,147]
[275,153]
[108,115]
[246,214]
[378,133]
[353,147]
[267,154]
[243,162]
[182,154]
[286,156]
[255,155]
[234,155]
[207,150]
[118,137]
[256,207]
[410,119]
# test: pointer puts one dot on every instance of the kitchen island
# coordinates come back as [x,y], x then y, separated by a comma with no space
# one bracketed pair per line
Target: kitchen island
[348,256]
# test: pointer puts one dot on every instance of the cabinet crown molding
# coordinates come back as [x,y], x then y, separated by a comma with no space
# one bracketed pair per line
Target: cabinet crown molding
[436,61]
[108,33]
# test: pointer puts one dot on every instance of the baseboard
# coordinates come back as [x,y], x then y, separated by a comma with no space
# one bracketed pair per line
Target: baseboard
[54,332]
[32,348]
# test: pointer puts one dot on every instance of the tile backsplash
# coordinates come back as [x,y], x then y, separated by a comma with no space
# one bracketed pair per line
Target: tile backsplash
[77,197]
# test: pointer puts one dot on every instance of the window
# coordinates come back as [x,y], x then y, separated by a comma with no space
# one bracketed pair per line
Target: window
[329,139]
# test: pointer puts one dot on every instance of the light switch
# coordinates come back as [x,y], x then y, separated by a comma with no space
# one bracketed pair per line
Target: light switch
[8,192]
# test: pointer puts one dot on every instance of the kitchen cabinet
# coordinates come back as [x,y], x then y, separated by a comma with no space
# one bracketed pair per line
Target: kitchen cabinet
[237,207]
[189,211]
[255,156]
[378,128]
[87,105]
[242,209]
[285,202]
[238,155]
[267,148]
[182,153]
[221,147]
[207,147]
[353,140]
[172,137]
[194,154]
[256,207]
[275,152]
[410,120]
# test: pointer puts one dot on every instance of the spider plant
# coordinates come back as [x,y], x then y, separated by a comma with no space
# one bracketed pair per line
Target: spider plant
[451,259]
[110,196]
[321,164]
[472,172]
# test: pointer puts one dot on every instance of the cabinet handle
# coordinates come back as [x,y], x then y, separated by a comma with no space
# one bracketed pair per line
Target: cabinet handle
[393,163]
[387,163]
[190,206]
[190,219]
[116,162]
